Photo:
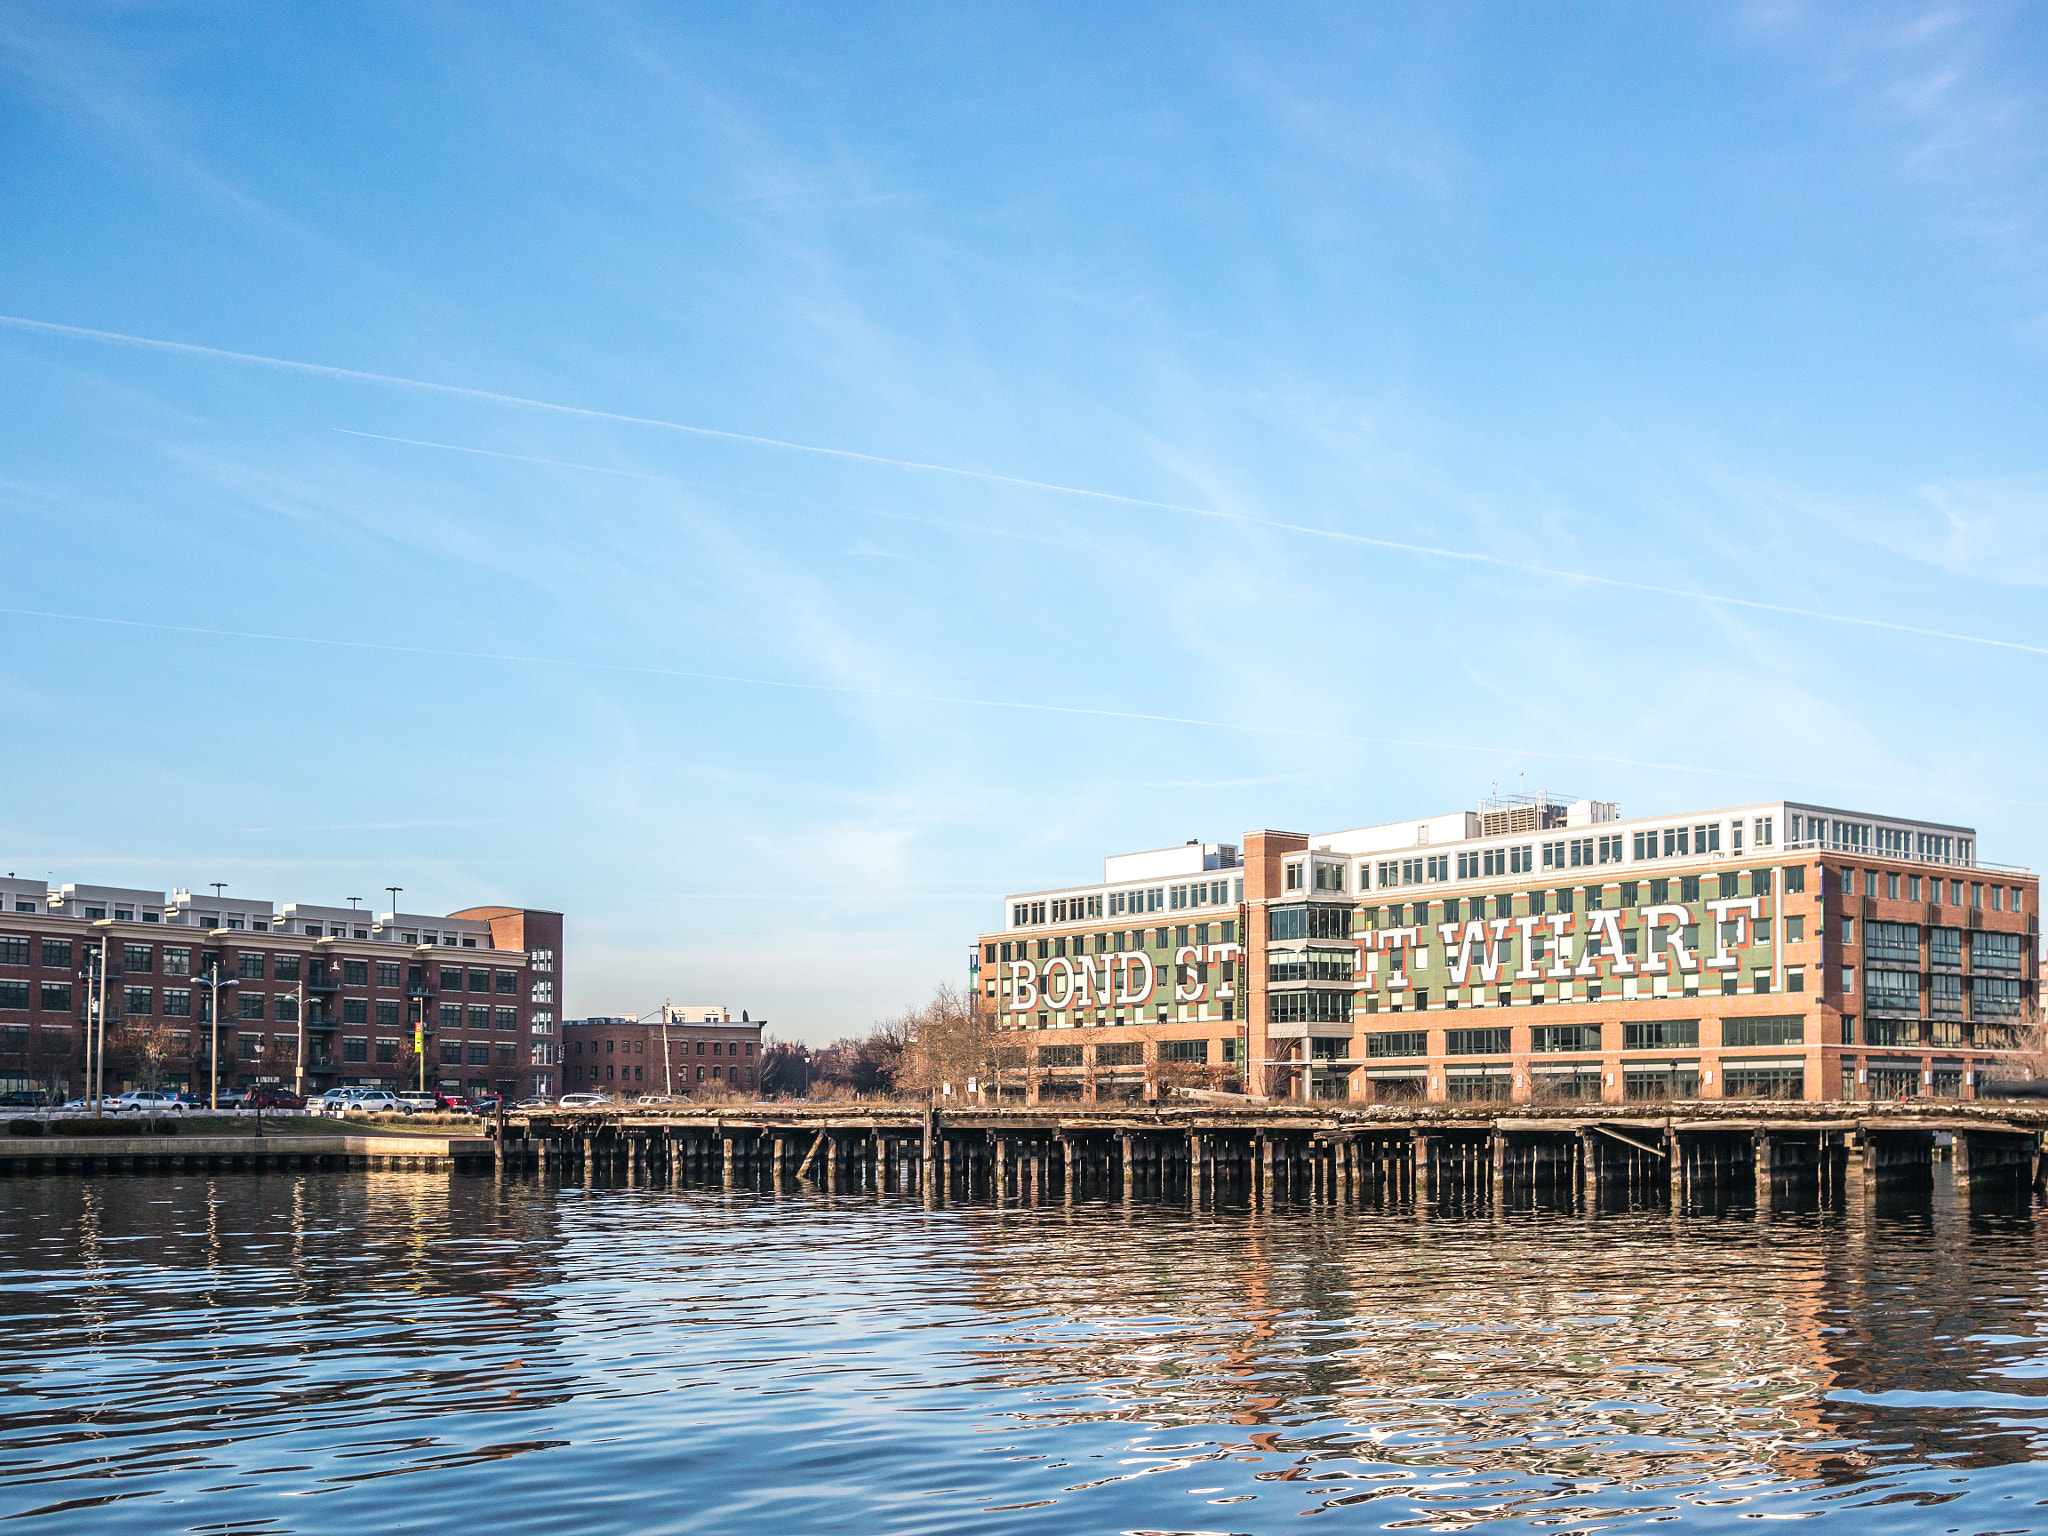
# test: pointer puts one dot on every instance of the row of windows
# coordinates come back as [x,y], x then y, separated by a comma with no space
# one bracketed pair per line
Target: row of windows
[1642,1035]
[1291,923]
[617,1074]
[1112,943]
[1889,842]
[1701,839]
[639,1047]
[1897,887]
[254,965]
[1082,909]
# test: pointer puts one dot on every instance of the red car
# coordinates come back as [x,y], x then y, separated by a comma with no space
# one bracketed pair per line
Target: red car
[273,1098]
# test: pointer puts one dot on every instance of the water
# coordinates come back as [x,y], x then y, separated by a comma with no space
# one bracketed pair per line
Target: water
[387,1351]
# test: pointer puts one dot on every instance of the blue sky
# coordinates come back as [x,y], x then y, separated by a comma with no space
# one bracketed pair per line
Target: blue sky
[1241,417]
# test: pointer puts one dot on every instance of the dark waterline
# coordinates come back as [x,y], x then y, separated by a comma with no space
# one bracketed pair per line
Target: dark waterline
[380,1351]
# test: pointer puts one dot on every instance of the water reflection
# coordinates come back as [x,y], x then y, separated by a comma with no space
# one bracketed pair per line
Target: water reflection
[333,1352]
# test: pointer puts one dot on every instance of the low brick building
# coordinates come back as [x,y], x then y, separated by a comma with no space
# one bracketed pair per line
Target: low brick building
[680,1050]
[310,996]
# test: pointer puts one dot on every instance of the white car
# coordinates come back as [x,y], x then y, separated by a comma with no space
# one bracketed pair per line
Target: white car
[581,1100]
[334,1101]
[139,1103]
[376,1101]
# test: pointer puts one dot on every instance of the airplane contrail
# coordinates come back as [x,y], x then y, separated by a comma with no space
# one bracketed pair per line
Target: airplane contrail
[1429,551]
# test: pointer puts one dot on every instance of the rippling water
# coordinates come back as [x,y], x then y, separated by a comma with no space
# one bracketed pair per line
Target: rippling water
[377,1351]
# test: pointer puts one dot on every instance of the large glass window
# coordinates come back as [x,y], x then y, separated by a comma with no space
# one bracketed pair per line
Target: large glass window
[1403,1042]
[1739,1082]
[1659,1034]
[1565,1037]
[1995,951]
[1676,1083]
[1771,1029]
[1476,1042]
[1308,1007]
[249,966]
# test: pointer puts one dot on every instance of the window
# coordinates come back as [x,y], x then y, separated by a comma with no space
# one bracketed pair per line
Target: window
[1582,852]
[1795,930]
[1995,951]
[177,1005]
[1898,942]
[355,1049]
[355,973]
[1181,1050]
[249,1047]
[287,1010]
[1553,856]
[1610,849]
[1476,1042]
[1795,978]
[1659,1034]
[451,1055]
[1848,930]
[1407,1042]
[1308,1007]
[508,983]
[1329,877]
[1848,980]
[137,957]
[479,981]
[14,994]
[479,1056]
[1994,997]
[451,1015]
[1772,1029]
[1522,860]
[387,1051]
[249,1005]
[1795,879]
[387,1014]
[387,975]
[1565,1037]
[56,997]
[1287,922]
[355,1010]
[249,966]
[451,979]
[177,962]
[1293,877]
[56,954]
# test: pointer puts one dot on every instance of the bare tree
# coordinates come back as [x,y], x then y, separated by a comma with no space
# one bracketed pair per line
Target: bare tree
[949,1039]
[140,1046]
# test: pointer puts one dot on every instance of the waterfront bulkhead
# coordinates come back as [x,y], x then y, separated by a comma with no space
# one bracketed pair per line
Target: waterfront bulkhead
[1534,950]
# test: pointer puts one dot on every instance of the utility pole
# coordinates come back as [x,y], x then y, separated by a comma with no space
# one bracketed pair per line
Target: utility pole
[667,1073]
[299,1056]
[212,979]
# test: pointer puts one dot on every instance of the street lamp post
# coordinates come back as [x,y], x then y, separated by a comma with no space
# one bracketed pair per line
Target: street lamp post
[215,981]
[94,975]
[299,1056]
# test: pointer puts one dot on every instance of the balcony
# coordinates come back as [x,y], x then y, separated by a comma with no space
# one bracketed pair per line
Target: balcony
[421,992]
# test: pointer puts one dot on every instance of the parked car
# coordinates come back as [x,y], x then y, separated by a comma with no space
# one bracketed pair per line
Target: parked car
[456,1104]
[376,1101]
[487,1105]
[422,1102]
[191,1101]
[233,1098]
[580,1100]
[269,1096]
[25,1098]
[333,1102]
[534,1104]
[139,1102]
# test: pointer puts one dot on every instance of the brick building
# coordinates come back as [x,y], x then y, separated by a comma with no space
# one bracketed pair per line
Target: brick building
[1531,950]
[679,1050]
[316,996]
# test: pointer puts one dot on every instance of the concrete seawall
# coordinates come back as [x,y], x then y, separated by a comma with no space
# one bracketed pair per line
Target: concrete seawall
[194,1154]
